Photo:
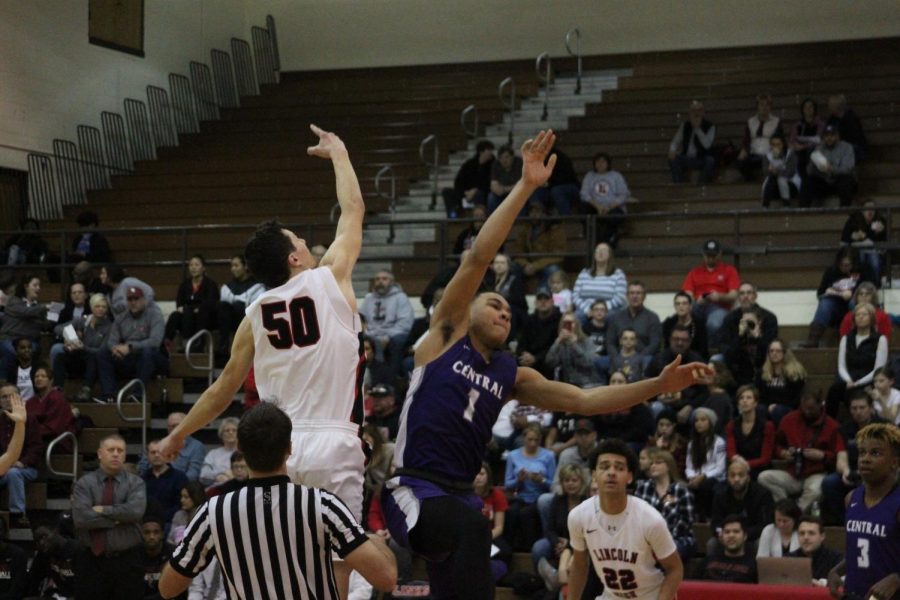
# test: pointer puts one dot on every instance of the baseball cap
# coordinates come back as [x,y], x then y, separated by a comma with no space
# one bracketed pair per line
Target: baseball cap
[134,292]
[584,425]
[543,291]
[382,389]
[711,247]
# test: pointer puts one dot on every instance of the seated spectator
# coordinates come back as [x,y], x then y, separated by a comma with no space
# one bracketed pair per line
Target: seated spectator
[52,571]
[389,317]
[504,279]
[561,191]
[866,293]
[505,173]
[706,458]
[240,475]
[730,332]
[838,284]
[862,230]
[747,355]
[156,553]
[84,274]
[538,334]
[849,124]
[780,381]
[50,408]
[467,236]
[26,247]
[190,459]
[377,371]
[514,418]
[639,318]
[779,166]
[714,286]
[192,497]
[133,346]
[627,361]
[691,148]
[603,281]
[595,330]
[24,317]
[558,283]
[584,441]
[217,463]
[120,283]
[666,492]
[806,134]
[574,488]
[72,318]
[686,400]
[571,356]
[494,507]
[751,435]
[860,353]
[831,170]
[385,411]
[666,437]
[15,566]
[195,304]
[379,465]
[631,425]
[77,307]
[163,483]
[684,317]
[91,245]
[743,497]
[885,397]
[759,130]
[529,471]
[779,538]
[812,545]
[845,478]
[807,443]
[24,469]
[22,369]
[234,297]
[472,183]
[732,562]
[72,355]
[606,192]
[541,236]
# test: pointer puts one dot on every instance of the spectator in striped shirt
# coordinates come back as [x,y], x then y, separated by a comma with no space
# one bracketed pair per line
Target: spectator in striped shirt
[275,540]
[603,281]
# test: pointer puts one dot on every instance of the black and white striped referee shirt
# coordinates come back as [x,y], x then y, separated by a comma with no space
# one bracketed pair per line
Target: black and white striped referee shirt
[273,539]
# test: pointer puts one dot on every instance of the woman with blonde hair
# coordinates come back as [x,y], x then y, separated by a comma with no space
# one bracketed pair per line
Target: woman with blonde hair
[866,292]
[571,356]
[860,353]
[217,464]
[666,491]
[780,381]
[545,552]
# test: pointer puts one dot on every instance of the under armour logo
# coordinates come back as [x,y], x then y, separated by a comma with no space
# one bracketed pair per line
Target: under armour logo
[611,528]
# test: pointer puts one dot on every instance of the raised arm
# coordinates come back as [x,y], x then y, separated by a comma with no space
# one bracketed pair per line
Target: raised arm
[344,251]
[17,415]
[451,316]
[534,389]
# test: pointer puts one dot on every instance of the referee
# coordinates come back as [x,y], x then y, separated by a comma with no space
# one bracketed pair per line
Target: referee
[274,538]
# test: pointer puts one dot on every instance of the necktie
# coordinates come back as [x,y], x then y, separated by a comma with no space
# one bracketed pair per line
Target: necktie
[98,536]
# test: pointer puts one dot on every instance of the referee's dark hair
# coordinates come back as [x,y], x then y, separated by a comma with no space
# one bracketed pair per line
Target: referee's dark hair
[617,446]
[264,436]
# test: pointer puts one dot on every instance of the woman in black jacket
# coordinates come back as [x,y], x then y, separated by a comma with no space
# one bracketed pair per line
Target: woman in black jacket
[195,304]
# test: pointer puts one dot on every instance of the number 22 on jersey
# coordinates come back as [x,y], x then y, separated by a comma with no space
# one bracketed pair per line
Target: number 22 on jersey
[299,327]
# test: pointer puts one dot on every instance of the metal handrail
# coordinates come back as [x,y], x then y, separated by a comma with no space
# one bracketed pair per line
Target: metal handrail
[143,418]
[462,120]
[392,197]
[434,164]
[545,77]
[203,333]
[49,453]
[574,32]
[509,81]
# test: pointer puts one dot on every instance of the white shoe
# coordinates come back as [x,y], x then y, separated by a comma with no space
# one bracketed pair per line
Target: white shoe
[548,574]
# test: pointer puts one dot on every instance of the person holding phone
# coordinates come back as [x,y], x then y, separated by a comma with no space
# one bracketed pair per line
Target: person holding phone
[571,355]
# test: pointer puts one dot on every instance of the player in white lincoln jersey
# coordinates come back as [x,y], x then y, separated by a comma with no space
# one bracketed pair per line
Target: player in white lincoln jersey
[302,338]
[624,536]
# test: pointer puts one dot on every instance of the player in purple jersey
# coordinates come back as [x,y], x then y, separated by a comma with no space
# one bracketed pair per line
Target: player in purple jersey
[872,557]
[460,381]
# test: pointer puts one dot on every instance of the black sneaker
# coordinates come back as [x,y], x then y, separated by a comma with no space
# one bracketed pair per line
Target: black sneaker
[19,521]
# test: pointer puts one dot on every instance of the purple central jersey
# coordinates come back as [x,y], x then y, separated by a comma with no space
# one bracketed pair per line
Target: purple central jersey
[449,411]
[873,540]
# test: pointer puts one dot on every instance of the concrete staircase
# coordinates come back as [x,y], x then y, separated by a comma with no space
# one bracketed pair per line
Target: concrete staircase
[563,103]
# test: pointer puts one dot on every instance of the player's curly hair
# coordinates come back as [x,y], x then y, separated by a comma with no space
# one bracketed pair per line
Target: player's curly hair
[267,254]
[617,446]
[885,432]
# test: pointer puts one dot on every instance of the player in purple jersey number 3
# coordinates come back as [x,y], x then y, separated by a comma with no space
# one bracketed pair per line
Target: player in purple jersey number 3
[460,381]
[871,567]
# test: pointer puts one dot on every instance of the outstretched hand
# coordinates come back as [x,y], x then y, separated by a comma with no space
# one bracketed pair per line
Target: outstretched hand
[16,411]
[170,447]
[676,376]
[534,153]
[329,146]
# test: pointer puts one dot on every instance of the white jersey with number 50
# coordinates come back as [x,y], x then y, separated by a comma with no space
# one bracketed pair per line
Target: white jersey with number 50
[307,351]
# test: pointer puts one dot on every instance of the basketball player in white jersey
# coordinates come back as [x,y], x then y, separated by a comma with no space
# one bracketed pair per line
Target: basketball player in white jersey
[302,339]
[624,536]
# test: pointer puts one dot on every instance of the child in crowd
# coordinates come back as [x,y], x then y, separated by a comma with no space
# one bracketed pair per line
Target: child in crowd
[885,397]
[628,360]
[559,287]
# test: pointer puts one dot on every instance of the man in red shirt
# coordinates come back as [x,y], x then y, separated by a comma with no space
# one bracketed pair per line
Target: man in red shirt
[714,286]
